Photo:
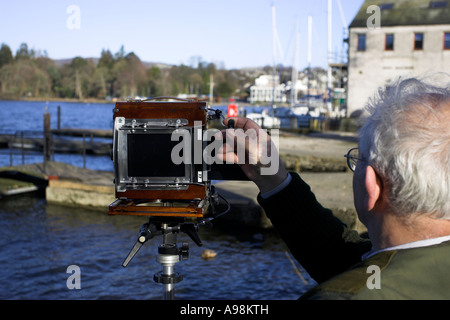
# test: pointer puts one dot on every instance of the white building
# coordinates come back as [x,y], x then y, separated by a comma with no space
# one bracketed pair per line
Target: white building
[264,88]
[413,39]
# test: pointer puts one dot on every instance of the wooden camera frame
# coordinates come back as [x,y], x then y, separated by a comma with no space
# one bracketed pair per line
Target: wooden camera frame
[144,183]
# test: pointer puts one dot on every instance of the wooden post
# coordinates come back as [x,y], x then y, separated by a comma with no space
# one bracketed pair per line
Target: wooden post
[22,147]
[59,117]
[10,153]
[293,122]
[47,137]
[84,150]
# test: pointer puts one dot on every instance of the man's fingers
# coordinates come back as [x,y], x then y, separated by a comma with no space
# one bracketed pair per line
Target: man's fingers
[226,154]
[243,123]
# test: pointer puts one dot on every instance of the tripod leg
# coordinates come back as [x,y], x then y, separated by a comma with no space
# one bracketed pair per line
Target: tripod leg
[169,287]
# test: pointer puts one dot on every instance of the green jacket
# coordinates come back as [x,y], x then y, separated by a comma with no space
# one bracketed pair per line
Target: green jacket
[331,254]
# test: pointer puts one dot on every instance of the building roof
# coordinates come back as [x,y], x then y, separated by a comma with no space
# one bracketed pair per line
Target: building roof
[405,12]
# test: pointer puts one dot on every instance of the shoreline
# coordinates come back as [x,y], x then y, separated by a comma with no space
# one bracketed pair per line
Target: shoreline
[91,100]
[114,100]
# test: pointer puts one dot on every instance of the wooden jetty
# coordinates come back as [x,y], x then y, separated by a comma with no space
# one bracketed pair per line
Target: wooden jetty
[91,133]
[68,140]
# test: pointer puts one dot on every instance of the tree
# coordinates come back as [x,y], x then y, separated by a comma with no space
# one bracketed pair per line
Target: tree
[131,76]
[195,83]
[48,66]
[24,53]
[106,60]
[6,56]
[120,54]
[154,82]
[22,79]
[78,79]
[105,67]
[32,73]
[24,76]
[224,89]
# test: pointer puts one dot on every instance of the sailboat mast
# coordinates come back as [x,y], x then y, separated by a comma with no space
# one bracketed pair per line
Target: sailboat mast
[294,75]
[309,57]
[274,52]
[330,8]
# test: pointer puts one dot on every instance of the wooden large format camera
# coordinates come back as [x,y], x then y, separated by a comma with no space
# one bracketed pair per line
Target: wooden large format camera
[147,181]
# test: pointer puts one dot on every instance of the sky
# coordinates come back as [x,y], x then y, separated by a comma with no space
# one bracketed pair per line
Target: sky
[230,33]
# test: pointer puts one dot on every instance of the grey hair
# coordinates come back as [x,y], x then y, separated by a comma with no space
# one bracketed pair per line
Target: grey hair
[406,139]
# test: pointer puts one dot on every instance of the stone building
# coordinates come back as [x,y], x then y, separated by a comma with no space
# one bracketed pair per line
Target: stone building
[392,38]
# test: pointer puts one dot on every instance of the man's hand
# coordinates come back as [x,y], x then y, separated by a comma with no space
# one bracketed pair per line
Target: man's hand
[252,148]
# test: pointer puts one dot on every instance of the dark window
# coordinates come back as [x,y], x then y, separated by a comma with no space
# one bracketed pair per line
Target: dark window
[389,45]
[447,40]
[418,41]
[386,6]
[361,42]
[438,4]
[150,156]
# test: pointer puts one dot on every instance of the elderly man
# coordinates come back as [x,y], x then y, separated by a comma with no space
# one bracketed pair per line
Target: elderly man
[401,191]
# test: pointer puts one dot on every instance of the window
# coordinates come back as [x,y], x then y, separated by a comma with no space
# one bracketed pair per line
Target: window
[389,45]
[418,41]
[447,41]
[438,4]
[361,46]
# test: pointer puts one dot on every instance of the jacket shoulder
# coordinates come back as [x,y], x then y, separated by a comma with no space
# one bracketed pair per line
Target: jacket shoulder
[416,273]
[349,284]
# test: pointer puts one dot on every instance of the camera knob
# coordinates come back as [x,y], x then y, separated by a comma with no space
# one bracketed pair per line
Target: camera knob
[184,251]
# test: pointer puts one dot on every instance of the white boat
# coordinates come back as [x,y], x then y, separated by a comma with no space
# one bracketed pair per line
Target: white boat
[300,110]
[264,119]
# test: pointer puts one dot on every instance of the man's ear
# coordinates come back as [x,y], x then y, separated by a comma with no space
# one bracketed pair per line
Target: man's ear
[373,187]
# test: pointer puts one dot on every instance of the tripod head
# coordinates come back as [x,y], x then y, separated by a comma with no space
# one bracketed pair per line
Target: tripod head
[168,228]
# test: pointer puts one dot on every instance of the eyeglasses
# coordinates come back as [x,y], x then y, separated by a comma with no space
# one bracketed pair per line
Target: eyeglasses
[352,158]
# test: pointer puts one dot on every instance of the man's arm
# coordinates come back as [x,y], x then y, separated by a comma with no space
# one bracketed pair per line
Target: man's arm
[322,243]
[319,241]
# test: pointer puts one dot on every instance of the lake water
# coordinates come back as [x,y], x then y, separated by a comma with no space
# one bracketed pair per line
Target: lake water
[28,116]
[39,241]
